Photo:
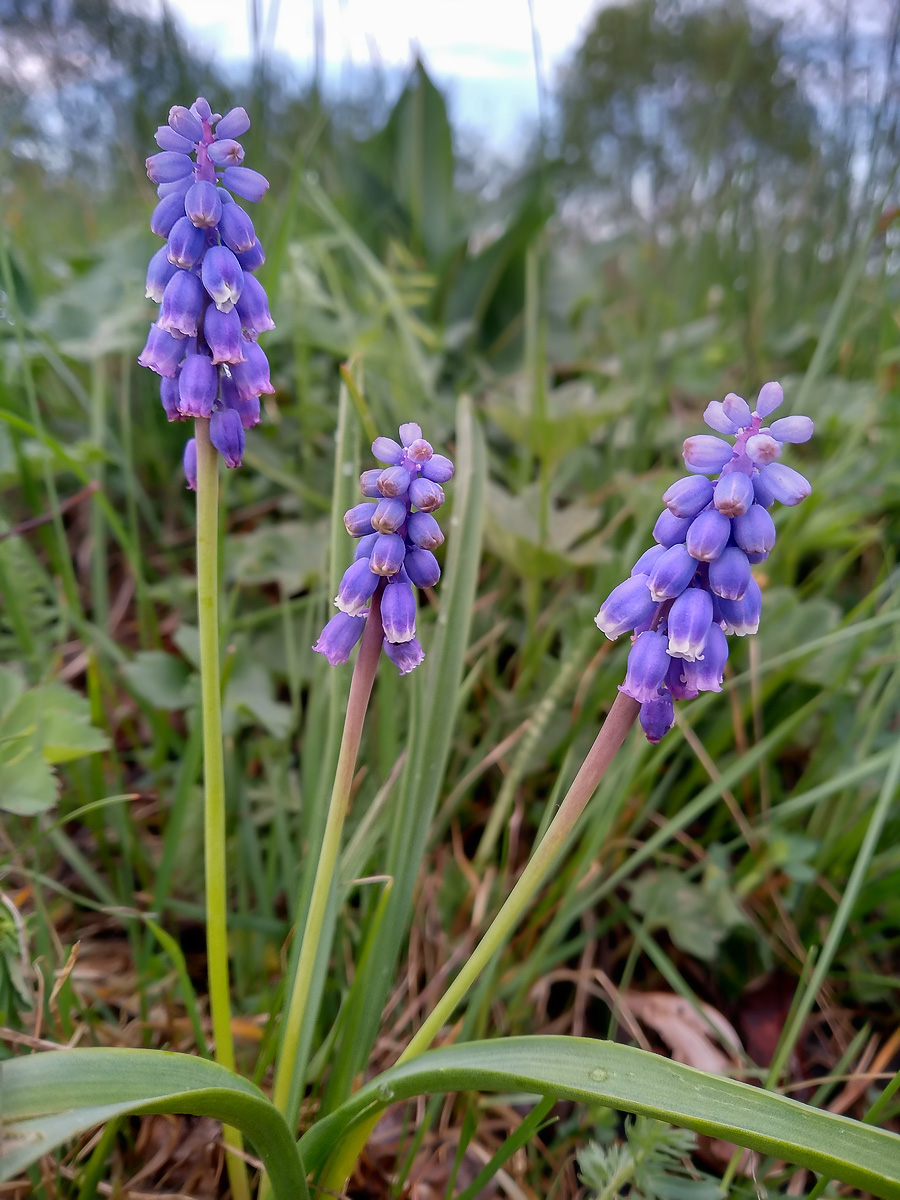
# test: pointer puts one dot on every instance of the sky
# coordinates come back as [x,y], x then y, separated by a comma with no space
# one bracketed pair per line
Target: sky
[481,51]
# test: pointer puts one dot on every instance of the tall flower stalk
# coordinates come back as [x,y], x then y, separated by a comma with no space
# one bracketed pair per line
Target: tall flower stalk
[685,594]
[203,345]
[396,535]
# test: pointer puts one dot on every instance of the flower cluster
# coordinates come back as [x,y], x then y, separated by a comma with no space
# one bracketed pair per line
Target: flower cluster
[695,585]
[212,309]
[397,536]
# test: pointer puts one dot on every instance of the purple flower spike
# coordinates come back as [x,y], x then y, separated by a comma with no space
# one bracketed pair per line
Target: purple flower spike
[689,620]
[356,589]
[395,542]
[733,494]
[227,435]
[422,568]
[705,454]
[648,662]
[339,636]
[626,607]
[657,717]
[672,573]
[405,656]
[162,353]
[398,611]
[198,384]
[387,555]
[245,182]
[222,333]
[189,464]
[203,204]
[689,496]
[222,277]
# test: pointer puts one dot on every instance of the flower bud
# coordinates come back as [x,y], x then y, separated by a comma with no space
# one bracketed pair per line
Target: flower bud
[706,455]
[368,482]
[708,535]
[236,229]
[733,494]
[189,464]
[626,607]
[168,394]
[792,429]
[770,396]
[670,530]
[203,205]
[167,139]
[672,573]
[365,545]
[716,418]
[422,568]
[253,307]
[786,485]
[166,213]
[227,435]
[389,515]
[729,574]
[159,272]
[183,121]
[388,554]
[688,496]
[222,277]
[754,532]
[426,495]
[762,448]
[185,243]
[648,662]
[222,333]
[252,259]
[423,530]
[438,469]
[419,451]
[409,432]
[742,616]
[657,717]
[398,611]
[356,589]
[358,520]
[162,352]
[182,304]
[226,152]
[737,410]
[690,618]
[339,636]
[705,674]
[245,182]
[387,450]
[168,165]
[393,481]
[648,560]
[233,124]
[198,384]
[405,656]
[252,375]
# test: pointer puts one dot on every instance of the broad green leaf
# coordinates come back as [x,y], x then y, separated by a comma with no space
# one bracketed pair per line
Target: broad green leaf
[27,783]
[291,554]
[635,1081]
[159,678]
[11,688]
[50,1098]
[58,720]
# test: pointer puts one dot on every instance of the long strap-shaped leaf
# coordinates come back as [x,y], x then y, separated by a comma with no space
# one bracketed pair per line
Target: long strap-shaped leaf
[638,1082]
[47,1099]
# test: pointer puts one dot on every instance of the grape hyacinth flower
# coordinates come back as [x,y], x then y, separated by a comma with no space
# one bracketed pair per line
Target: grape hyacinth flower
[396,538]
[203,344]
[695,585]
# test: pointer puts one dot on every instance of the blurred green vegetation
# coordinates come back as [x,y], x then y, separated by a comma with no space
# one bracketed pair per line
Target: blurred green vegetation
[711,205]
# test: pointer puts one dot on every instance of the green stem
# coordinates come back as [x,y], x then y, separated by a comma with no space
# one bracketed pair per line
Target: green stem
[609,740]
[214,777]
[287,1092]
